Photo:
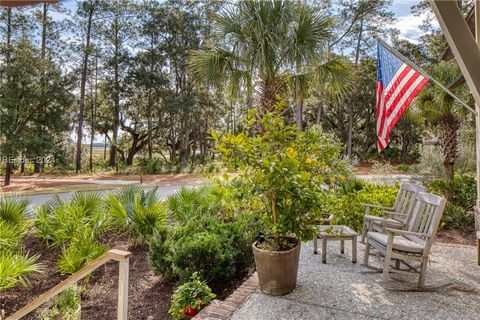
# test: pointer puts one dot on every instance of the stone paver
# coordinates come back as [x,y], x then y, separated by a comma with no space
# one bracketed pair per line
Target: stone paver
[342,290]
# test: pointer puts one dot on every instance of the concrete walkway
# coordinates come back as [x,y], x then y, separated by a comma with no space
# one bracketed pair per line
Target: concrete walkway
[342,290]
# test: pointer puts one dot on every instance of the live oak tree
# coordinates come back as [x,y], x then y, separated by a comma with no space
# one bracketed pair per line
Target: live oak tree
[20,112]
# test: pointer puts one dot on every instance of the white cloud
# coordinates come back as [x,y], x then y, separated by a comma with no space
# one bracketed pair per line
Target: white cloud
[409,26]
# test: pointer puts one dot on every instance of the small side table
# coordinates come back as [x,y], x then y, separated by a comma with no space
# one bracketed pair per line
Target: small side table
[337,233]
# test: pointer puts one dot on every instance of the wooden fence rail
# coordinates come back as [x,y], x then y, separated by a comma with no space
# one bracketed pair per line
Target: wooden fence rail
[123,260]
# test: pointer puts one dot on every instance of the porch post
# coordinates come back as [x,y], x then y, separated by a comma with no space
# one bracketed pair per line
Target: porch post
[477,120]
[467,54]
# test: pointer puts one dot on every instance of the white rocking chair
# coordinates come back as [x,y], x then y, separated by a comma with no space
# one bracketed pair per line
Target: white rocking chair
[396,217]
[412,244]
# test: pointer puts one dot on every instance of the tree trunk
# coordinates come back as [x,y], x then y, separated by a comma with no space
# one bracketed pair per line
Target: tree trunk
[131,153]
[150,100]
[44,30]
[448,147]
[350,109]
[404,154]
[22,165]
[36,167]
[298,106]
[8,172]
[78,157]
[350,131]
[8,165]
[449,176]
[116,123]
[43,80]
[271,89]
[185,140]
[105,149]
[319,113]
[93,116]
[9,33]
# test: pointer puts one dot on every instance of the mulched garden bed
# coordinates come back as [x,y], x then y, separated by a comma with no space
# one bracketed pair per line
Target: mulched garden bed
[149,295]
[451,235]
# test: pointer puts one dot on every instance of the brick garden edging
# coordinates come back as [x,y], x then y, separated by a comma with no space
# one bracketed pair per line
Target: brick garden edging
[222,310]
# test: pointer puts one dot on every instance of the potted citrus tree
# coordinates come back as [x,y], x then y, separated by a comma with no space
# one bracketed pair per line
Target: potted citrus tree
[288,172]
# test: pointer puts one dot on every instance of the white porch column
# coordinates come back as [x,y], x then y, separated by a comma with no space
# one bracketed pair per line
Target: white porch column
[477,118]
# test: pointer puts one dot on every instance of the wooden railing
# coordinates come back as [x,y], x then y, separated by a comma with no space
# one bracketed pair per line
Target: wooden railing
[121,256]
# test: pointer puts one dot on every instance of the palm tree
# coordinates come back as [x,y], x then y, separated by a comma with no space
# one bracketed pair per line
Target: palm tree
[443,113]
[269,45]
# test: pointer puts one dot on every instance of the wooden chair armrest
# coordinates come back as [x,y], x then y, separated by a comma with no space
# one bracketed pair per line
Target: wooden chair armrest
[377,206]
[379,218]
[406,233]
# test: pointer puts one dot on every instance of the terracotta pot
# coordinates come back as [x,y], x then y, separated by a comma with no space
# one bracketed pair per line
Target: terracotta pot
[277,270]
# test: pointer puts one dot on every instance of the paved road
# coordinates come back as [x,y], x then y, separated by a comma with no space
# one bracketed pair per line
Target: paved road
[39,199]
[166,191]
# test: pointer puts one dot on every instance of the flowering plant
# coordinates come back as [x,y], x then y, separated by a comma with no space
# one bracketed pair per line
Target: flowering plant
[288,170]
[190,297]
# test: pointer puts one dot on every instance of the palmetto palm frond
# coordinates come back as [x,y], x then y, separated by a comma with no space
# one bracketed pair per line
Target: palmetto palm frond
[333,76]
[13,210]
[138,211]
[11,236]
[15,268]
[59,222]
[79,254]
[128,193]
[89,201]
[267,44]
[308,33]
[433,102]
[188,204]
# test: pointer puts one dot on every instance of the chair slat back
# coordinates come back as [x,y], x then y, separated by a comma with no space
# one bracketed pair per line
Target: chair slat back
[405,200]
[425,218]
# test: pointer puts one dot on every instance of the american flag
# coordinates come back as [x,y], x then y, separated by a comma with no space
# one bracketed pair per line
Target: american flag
[397,86]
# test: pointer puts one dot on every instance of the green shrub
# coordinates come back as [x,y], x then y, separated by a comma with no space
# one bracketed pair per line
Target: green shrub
[458,210]
[66,306]
[218,251]
[151,166]
[404,168]
[382,168]
[190,296]
[347,206]
[137,211]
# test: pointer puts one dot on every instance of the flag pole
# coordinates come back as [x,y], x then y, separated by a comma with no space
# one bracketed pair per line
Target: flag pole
[426,75]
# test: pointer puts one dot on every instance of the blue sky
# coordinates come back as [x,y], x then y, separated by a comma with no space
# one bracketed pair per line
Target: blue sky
[408,24]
